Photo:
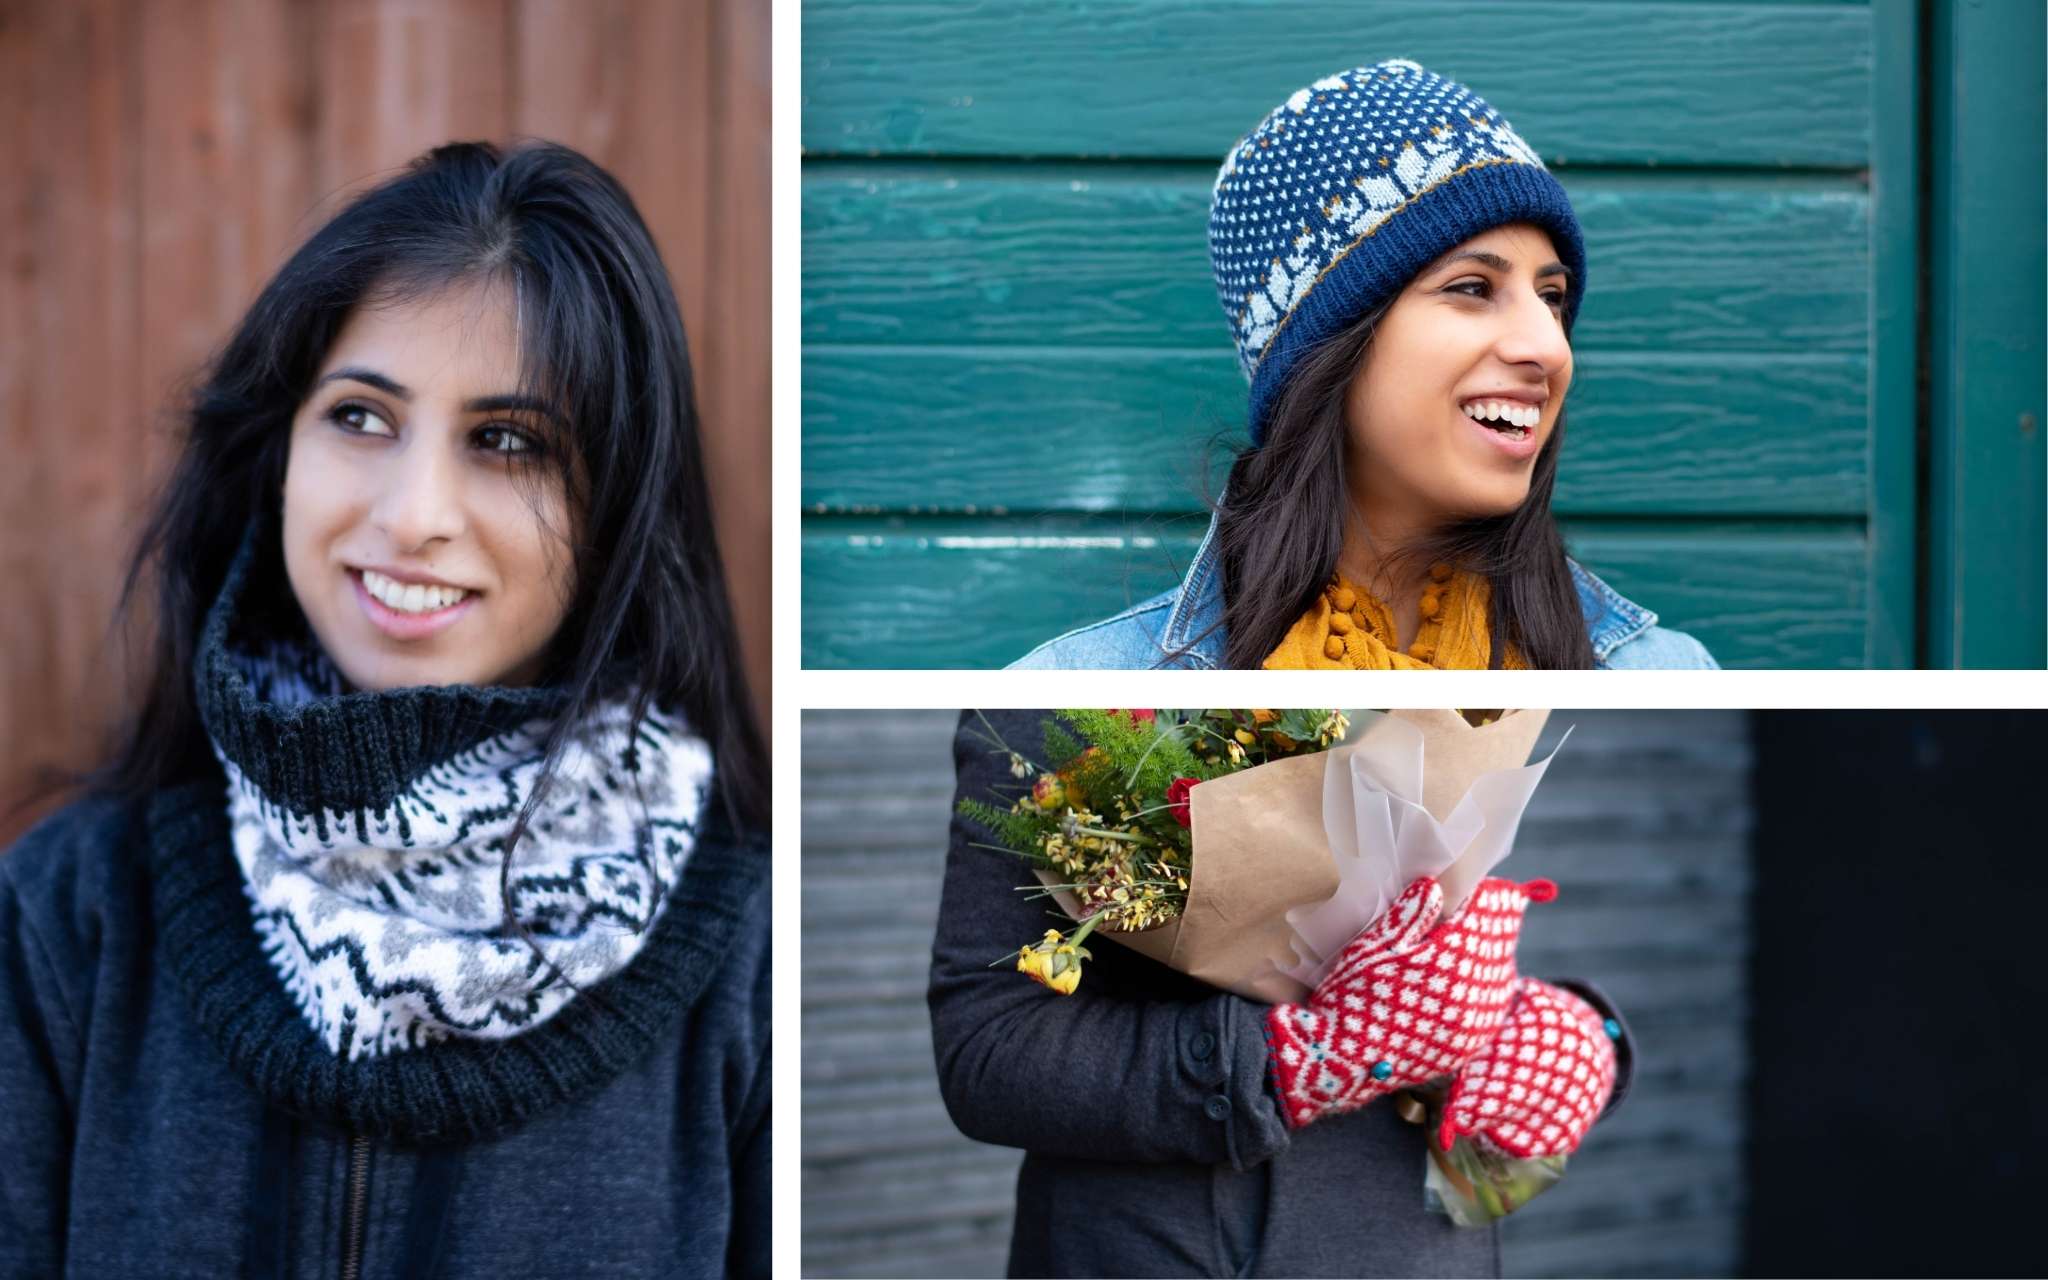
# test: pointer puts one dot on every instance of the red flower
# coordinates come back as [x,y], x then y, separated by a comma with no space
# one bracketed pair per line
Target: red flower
[1177,798]
[1140,715]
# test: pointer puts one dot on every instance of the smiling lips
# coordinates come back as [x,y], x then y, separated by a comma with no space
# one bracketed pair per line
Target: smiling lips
[409,597]
[1511,418]
[1509,424]
[408,610]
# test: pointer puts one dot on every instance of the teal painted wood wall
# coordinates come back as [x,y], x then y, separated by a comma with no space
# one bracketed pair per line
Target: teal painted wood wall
[1015,373]
[1988,335]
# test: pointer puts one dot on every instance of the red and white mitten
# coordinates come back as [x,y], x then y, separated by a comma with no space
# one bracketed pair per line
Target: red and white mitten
[1540,1085]
[1409,1000]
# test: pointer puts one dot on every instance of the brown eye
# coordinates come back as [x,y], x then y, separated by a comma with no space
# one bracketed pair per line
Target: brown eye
[504,438]
[359,419]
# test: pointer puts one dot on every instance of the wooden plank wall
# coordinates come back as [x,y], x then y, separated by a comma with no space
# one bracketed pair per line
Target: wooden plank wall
[162,161]
[1014,366]
[1644,821]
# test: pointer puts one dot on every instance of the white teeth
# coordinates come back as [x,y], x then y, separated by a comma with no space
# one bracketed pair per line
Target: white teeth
[410,597]
[1517,414]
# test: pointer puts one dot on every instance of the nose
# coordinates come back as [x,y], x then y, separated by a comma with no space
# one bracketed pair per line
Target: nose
[1532,333]
[419,498]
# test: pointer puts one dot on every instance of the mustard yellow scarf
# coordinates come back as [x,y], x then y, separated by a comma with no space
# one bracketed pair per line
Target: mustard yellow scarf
[1348,629]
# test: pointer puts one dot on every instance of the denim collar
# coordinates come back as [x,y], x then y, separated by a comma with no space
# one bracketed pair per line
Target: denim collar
[1194,629]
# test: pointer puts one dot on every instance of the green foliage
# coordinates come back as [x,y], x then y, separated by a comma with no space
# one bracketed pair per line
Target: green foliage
[1060,746]
[1119,765]
[1014,831]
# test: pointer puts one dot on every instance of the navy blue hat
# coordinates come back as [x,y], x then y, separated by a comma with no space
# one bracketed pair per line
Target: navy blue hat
[1351,187]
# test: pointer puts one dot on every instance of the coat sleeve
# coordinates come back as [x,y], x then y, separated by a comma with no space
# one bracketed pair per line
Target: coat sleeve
[1624,1045]
[41,1057]
[750,1244]
[1099,1074]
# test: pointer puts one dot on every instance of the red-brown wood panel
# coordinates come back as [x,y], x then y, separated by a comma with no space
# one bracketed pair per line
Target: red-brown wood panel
[69,346]
[734,344]
[164,159]
[225,149]
[400,76]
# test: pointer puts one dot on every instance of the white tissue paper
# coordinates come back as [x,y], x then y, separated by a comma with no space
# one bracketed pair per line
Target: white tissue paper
[1382,838]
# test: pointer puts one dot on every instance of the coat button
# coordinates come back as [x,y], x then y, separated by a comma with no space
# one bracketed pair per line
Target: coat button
[1202,1047]
[1382,1069]
[1217,1107]
[1612,1028]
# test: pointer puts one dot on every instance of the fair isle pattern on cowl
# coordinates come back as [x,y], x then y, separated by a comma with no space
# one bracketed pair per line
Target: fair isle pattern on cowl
[387,926]
[1412,996]
[1350,187]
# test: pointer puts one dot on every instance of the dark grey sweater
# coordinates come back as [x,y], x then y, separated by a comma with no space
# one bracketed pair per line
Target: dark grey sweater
[1154,1146]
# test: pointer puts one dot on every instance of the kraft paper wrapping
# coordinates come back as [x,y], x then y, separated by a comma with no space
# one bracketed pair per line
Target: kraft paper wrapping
[1261,848]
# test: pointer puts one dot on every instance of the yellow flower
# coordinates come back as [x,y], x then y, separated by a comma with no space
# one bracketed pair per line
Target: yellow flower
[1066,972]
[1054,963]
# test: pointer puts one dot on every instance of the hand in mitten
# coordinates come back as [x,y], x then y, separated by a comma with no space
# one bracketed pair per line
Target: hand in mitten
[1537,1088]
[1409,1000]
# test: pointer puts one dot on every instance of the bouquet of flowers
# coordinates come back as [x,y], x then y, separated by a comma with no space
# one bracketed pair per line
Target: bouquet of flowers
[1247,848]
[1107,820]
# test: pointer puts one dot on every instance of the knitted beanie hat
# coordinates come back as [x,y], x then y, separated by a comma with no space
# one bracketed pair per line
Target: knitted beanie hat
[1348,189]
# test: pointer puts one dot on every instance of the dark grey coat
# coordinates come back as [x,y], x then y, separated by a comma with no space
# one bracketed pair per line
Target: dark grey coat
[1153,1144]
[130,1146]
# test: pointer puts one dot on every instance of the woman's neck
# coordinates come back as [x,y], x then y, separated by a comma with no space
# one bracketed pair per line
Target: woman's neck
[1370,561]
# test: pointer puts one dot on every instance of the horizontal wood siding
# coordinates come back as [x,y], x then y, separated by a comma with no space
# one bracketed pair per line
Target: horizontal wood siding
[1644,822]
[1778,595]
[1009,320]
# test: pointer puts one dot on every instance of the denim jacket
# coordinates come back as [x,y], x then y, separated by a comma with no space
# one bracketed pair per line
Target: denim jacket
[1625,635]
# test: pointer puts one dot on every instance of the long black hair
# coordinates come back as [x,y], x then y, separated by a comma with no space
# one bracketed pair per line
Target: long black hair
[601,340]
[1280,527]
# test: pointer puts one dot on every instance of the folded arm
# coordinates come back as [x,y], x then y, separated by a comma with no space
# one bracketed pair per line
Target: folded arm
[1112,1072]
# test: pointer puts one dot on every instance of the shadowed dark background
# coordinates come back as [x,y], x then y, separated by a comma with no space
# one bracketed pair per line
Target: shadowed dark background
[1896,1104]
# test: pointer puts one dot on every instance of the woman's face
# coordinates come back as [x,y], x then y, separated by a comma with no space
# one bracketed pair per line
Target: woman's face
[1485,322]
[424,516]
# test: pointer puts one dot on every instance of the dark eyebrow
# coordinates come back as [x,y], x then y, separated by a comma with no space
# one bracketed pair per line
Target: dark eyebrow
[511,404]
[368,377]
[481,404]
[1499,263]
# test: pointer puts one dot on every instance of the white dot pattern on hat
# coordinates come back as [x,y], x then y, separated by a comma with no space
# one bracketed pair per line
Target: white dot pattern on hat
[1324,170]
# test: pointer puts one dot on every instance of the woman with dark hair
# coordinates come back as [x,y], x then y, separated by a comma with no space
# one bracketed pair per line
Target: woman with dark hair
[419,924]
[1401,274]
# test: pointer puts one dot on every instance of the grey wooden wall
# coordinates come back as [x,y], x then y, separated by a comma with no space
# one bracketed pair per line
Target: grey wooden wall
[1644,822]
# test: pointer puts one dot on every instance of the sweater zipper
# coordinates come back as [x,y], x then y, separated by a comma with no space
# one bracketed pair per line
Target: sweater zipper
[354,1207]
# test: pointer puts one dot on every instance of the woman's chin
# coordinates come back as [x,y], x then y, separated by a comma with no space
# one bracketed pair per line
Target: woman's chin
[1488,501]
[381,673]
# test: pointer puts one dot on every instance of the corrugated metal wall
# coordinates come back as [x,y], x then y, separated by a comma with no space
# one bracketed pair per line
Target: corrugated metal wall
[164,159]
[1644,821]
[1013,356]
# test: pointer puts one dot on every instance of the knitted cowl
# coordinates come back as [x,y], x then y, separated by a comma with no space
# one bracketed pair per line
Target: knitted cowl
[359,754]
